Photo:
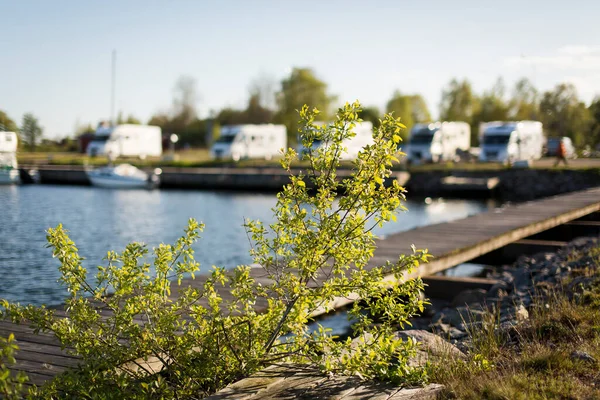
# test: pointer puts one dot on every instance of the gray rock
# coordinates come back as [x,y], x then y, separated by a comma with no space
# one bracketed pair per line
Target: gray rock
[522,278]
[430,346]
[542,272]
[447,331]
[456,333]
[468,297]
[580,281]
[583,356]
[498,290]
[440,328]
[507,277]
[555,270]
[457,316]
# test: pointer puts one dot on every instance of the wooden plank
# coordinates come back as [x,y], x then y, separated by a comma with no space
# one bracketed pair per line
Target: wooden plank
[545,243]
[583,223]
[39,367]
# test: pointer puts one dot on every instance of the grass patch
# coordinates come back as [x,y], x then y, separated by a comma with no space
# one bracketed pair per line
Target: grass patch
[536,359]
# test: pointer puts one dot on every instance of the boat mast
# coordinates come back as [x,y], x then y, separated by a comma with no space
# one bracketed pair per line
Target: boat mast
[112,95]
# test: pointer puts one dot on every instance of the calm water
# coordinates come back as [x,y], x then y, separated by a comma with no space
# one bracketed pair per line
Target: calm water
[101,219]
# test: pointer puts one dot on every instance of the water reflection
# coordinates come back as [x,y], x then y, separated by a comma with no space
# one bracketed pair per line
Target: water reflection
[99,220]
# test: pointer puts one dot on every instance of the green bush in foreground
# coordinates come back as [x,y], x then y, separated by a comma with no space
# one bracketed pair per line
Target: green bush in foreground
[141,334]
[11,384]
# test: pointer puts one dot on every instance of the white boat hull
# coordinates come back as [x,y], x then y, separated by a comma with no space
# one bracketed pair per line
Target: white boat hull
[118,183]
[123,176]
[9,177]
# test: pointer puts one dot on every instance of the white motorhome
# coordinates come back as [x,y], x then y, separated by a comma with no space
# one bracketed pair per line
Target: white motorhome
[8,142]
[363,136]
[250,141]
[8,158]
[438,141]
[126,141]
[512,141]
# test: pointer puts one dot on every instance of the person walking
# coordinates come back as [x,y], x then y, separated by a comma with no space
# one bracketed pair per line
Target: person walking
[561,153]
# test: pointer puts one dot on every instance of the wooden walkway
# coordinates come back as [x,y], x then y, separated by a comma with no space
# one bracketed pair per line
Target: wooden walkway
[451,243]
[296,382]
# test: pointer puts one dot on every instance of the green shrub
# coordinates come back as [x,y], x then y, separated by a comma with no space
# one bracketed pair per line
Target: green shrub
[143,334]
[11,384]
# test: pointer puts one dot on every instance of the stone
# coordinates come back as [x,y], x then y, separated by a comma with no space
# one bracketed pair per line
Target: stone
[583,356]
[457,316]
[431,391]
[521,313]
[440,328]
[468,297]
[447,331]
[507,277]
[579,282]
[522,278]
[498,290]
[431,346]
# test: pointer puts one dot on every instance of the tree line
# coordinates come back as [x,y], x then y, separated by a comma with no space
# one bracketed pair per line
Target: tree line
[560,109]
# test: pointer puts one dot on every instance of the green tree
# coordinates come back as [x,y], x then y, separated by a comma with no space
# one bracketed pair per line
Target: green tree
[230,116]
[524,104]
[183,117]
[7,124]
[420,111]
[160,119]
[255,113]
[195,133]
[490,107]
[371,114]
[129,120]
[83,128]
[458,102]
[301,87]
[263,87]
[411,109]
[594,110]
[184,104]
[563,114]
[401,106]
[31,131]
[318,248]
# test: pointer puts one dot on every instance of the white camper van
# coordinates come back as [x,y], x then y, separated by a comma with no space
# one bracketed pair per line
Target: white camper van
[363,136]
[439,141]
[126,141]
[249,141]
[8,158]
[8,142]
[508,142]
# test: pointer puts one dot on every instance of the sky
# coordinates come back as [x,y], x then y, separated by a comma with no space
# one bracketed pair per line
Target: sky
[55,56]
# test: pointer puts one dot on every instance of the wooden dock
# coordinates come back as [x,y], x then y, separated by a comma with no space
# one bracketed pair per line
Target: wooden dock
[451,243]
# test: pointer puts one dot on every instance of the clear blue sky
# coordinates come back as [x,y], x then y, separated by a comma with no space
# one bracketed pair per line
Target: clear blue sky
[56,55]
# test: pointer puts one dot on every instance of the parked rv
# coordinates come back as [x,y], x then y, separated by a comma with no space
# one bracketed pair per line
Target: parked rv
[439,141]
[9,172]
[126,141]
[508,142]
[8,142]
[363,135]
[249,141]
